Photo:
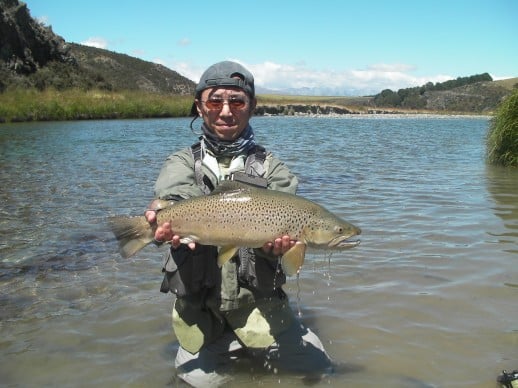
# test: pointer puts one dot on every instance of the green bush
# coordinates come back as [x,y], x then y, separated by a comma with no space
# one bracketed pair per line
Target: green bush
[502,137]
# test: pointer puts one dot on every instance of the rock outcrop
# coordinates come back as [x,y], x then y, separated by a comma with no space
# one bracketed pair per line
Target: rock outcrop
[25,44]
[33,56]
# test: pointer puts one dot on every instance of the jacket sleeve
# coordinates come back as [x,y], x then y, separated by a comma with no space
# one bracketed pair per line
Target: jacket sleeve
[176,179]
[279,176]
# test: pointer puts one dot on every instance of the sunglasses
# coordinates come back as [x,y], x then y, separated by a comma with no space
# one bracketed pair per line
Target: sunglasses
[234,103]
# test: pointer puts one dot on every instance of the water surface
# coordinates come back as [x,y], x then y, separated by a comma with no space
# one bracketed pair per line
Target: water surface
[427,300]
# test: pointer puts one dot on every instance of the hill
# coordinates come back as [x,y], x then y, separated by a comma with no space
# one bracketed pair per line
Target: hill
[123,72]
[33,56]
[476,94]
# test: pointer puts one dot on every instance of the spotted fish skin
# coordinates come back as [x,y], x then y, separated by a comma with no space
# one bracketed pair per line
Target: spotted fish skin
[237,215]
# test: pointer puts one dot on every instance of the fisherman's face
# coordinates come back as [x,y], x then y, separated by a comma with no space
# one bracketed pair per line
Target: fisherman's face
[225,110]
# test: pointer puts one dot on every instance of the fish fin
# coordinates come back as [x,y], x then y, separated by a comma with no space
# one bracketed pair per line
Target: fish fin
[293,259]
[132,233]
[188,239]
[229,187]
[226,253]
[161,204]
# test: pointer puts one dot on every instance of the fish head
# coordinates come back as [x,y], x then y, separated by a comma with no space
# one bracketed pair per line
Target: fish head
[331,232]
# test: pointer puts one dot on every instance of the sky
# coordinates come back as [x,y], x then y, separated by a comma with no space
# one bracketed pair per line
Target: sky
[326,47]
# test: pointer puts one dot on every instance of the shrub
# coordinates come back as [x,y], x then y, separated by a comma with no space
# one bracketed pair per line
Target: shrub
[502,137]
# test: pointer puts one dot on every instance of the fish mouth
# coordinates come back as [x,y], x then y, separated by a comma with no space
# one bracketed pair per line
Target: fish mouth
[343,242]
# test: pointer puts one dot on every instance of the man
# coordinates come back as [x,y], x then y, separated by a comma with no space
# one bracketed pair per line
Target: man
[221,314]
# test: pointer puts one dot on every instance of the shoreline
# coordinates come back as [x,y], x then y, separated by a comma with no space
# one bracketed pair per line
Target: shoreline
[71,105]
[345,116]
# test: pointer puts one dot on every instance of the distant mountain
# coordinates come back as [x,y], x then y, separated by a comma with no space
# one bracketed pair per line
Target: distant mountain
[32,55]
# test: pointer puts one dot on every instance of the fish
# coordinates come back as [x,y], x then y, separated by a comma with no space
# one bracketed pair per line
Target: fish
[238,215]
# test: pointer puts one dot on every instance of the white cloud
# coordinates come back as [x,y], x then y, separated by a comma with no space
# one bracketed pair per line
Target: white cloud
[500,77]
[391,67]
[159,61]
[184,42]
[373,79]
[139,53]
[188,70]
[96,42]
[299,78]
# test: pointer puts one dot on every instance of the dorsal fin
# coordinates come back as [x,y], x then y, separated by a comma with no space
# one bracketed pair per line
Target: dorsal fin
[231,186]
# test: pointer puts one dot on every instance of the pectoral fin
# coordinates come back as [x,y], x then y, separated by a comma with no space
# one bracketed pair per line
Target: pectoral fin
[226,253]
[293,259]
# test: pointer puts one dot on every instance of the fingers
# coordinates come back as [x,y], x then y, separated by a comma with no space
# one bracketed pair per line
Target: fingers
[152,208]
[150,216]
[164,233]
[279,246]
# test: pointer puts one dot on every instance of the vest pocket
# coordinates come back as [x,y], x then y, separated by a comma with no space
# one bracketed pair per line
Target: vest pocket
[188,272]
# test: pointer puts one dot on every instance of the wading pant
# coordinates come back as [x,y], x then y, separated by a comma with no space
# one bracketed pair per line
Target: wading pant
[297,350]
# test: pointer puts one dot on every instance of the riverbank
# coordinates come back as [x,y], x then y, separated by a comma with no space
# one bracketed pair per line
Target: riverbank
[53,105]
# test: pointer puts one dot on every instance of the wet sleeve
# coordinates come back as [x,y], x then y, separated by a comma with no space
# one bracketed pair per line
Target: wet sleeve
[176,179]
[279,176]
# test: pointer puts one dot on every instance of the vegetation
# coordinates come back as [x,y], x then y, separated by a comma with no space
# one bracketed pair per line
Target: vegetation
[273,99]
[502,138]
[75,104]
[476,93]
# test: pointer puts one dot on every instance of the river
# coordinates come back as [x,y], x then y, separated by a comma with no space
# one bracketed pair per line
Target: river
[429,298]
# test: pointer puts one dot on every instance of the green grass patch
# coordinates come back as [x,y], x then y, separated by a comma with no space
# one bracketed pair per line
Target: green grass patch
[32,105]
[502,138]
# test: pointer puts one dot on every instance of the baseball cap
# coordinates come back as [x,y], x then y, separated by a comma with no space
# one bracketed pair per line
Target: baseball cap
[223,74]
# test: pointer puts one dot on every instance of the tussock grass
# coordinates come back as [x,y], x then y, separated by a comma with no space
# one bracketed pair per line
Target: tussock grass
[33,105]
[502,137]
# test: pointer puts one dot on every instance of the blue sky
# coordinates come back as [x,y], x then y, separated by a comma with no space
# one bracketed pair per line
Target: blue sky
[334,47]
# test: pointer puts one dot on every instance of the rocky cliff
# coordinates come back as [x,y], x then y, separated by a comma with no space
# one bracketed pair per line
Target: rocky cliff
[25,44]
[33,56]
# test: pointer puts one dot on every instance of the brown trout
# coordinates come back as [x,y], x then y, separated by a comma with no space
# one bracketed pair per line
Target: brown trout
[237,215]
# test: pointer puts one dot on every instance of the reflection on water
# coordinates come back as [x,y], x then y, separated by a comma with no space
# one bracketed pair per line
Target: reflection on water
[427,300]
[501,184]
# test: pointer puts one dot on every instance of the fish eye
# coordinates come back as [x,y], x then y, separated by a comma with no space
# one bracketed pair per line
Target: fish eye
[339,229]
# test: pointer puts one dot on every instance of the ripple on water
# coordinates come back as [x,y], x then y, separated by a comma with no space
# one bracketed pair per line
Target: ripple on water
[433,283]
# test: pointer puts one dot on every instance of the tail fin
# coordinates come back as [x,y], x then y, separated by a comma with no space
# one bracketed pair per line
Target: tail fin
[133,233]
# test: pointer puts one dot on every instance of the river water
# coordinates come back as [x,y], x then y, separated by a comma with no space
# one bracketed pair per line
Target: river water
[429,299]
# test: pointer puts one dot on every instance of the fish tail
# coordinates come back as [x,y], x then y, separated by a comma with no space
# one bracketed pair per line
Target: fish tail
[132,233]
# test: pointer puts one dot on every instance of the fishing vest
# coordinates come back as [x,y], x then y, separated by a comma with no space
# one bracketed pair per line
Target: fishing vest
[253,174]
[190,272]
[244,294]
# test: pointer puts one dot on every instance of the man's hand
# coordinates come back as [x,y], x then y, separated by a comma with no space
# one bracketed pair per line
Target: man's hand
[164,233]
[279,246]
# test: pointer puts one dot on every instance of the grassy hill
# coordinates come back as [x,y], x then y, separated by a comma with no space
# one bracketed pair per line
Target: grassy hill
[475,94]
[123,72]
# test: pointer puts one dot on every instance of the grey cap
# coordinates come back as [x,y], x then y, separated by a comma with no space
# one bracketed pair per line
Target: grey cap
[222,74]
